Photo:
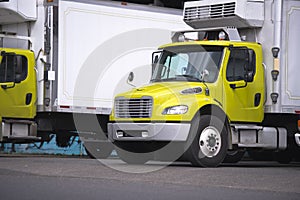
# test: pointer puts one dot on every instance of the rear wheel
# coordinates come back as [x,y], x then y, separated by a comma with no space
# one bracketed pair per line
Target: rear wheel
[209,141]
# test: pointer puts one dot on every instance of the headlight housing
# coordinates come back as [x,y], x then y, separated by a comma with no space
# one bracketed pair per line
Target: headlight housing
[176,110]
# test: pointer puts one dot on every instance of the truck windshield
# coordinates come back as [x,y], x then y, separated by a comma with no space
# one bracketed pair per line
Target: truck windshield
[189,63]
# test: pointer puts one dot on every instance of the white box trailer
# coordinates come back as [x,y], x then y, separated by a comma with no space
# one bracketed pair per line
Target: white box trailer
[83,53]
[119,42]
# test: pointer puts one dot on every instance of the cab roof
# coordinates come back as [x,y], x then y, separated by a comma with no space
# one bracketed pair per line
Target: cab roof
[212,43]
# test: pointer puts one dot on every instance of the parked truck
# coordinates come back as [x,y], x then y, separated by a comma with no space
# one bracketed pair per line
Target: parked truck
[229,87]
[63,61]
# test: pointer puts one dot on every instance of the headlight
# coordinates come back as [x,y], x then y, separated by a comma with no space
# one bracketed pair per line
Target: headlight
[176,110]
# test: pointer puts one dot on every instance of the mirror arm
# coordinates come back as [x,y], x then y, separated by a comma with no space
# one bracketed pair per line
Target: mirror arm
[130,79]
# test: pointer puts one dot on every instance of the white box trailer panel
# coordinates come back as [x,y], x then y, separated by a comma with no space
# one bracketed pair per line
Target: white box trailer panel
[289,70]
[290,67]
[100,45]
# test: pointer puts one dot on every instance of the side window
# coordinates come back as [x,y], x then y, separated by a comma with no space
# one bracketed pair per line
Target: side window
[13,68]
[241,65]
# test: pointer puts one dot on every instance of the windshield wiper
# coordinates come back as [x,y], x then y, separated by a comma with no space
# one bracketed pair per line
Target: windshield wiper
[188,77]
[184,77]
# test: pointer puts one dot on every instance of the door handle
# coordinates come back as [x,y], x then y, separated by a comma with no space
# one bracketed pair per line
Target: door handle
[257,99]
[28,98]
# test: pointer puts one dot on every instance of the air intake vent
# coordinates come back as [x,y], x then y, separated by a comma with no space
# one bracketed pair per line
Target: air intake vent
[133,108]
[210,11]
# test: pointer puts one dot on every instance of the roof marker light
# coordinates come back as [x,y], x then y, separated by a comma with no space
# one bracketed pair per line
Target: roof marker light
[222,35]
[181,38]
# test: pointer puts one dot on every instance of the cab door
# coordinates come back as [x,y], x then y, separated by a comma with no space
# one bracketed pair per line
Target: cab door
[244,84]
[17,84]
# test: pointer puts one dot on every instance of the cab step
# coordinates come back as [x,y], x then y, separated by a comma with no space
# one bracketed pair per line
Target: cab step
[253,136]
[14,130]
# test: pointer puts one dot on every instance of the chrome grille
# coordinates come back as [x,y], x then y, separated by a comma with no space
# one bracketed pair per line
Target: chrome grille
[209,11]
[133,108]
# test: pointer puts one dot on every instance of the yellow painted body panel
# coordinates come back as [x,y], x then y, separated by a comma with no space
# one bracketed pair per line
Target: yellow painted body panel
[237,104]
[13,98]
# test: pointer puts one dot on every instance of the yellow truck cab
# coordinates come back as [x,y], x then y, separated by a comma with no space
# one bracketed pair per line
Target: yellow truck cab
[194,83]
[217,91]
[192,75]
[18,94]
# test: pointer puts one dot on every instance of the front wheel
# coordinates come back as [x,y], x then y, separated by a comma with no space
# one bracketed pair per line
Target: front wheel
[209,141]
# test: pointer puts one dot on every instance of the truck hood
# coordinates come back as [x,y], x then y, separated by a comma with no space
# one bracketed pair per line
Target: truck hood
[165,88]
[166,95]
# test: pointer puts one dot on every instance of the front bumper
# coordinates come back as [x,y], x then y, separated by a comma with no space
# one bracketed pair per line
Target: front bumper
[148,131]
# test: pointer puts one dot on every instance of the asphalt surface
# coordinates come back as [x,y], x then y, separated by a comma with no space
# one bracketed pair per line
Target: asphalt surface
[44,177]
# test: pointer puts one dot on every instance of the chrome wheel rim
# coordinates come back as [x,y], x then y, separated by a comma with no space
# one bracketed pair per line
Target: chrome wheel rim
[210,142]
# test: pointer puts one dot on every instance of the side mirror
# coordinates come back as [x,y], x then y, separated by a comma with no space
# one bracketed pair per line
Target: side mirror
[155,58]
[130,77]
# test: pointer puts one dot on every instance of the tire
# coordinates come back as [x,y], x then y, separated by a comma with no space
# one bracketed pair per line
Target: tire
[209,143]
[98,150]
[133,158]
[234,156]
